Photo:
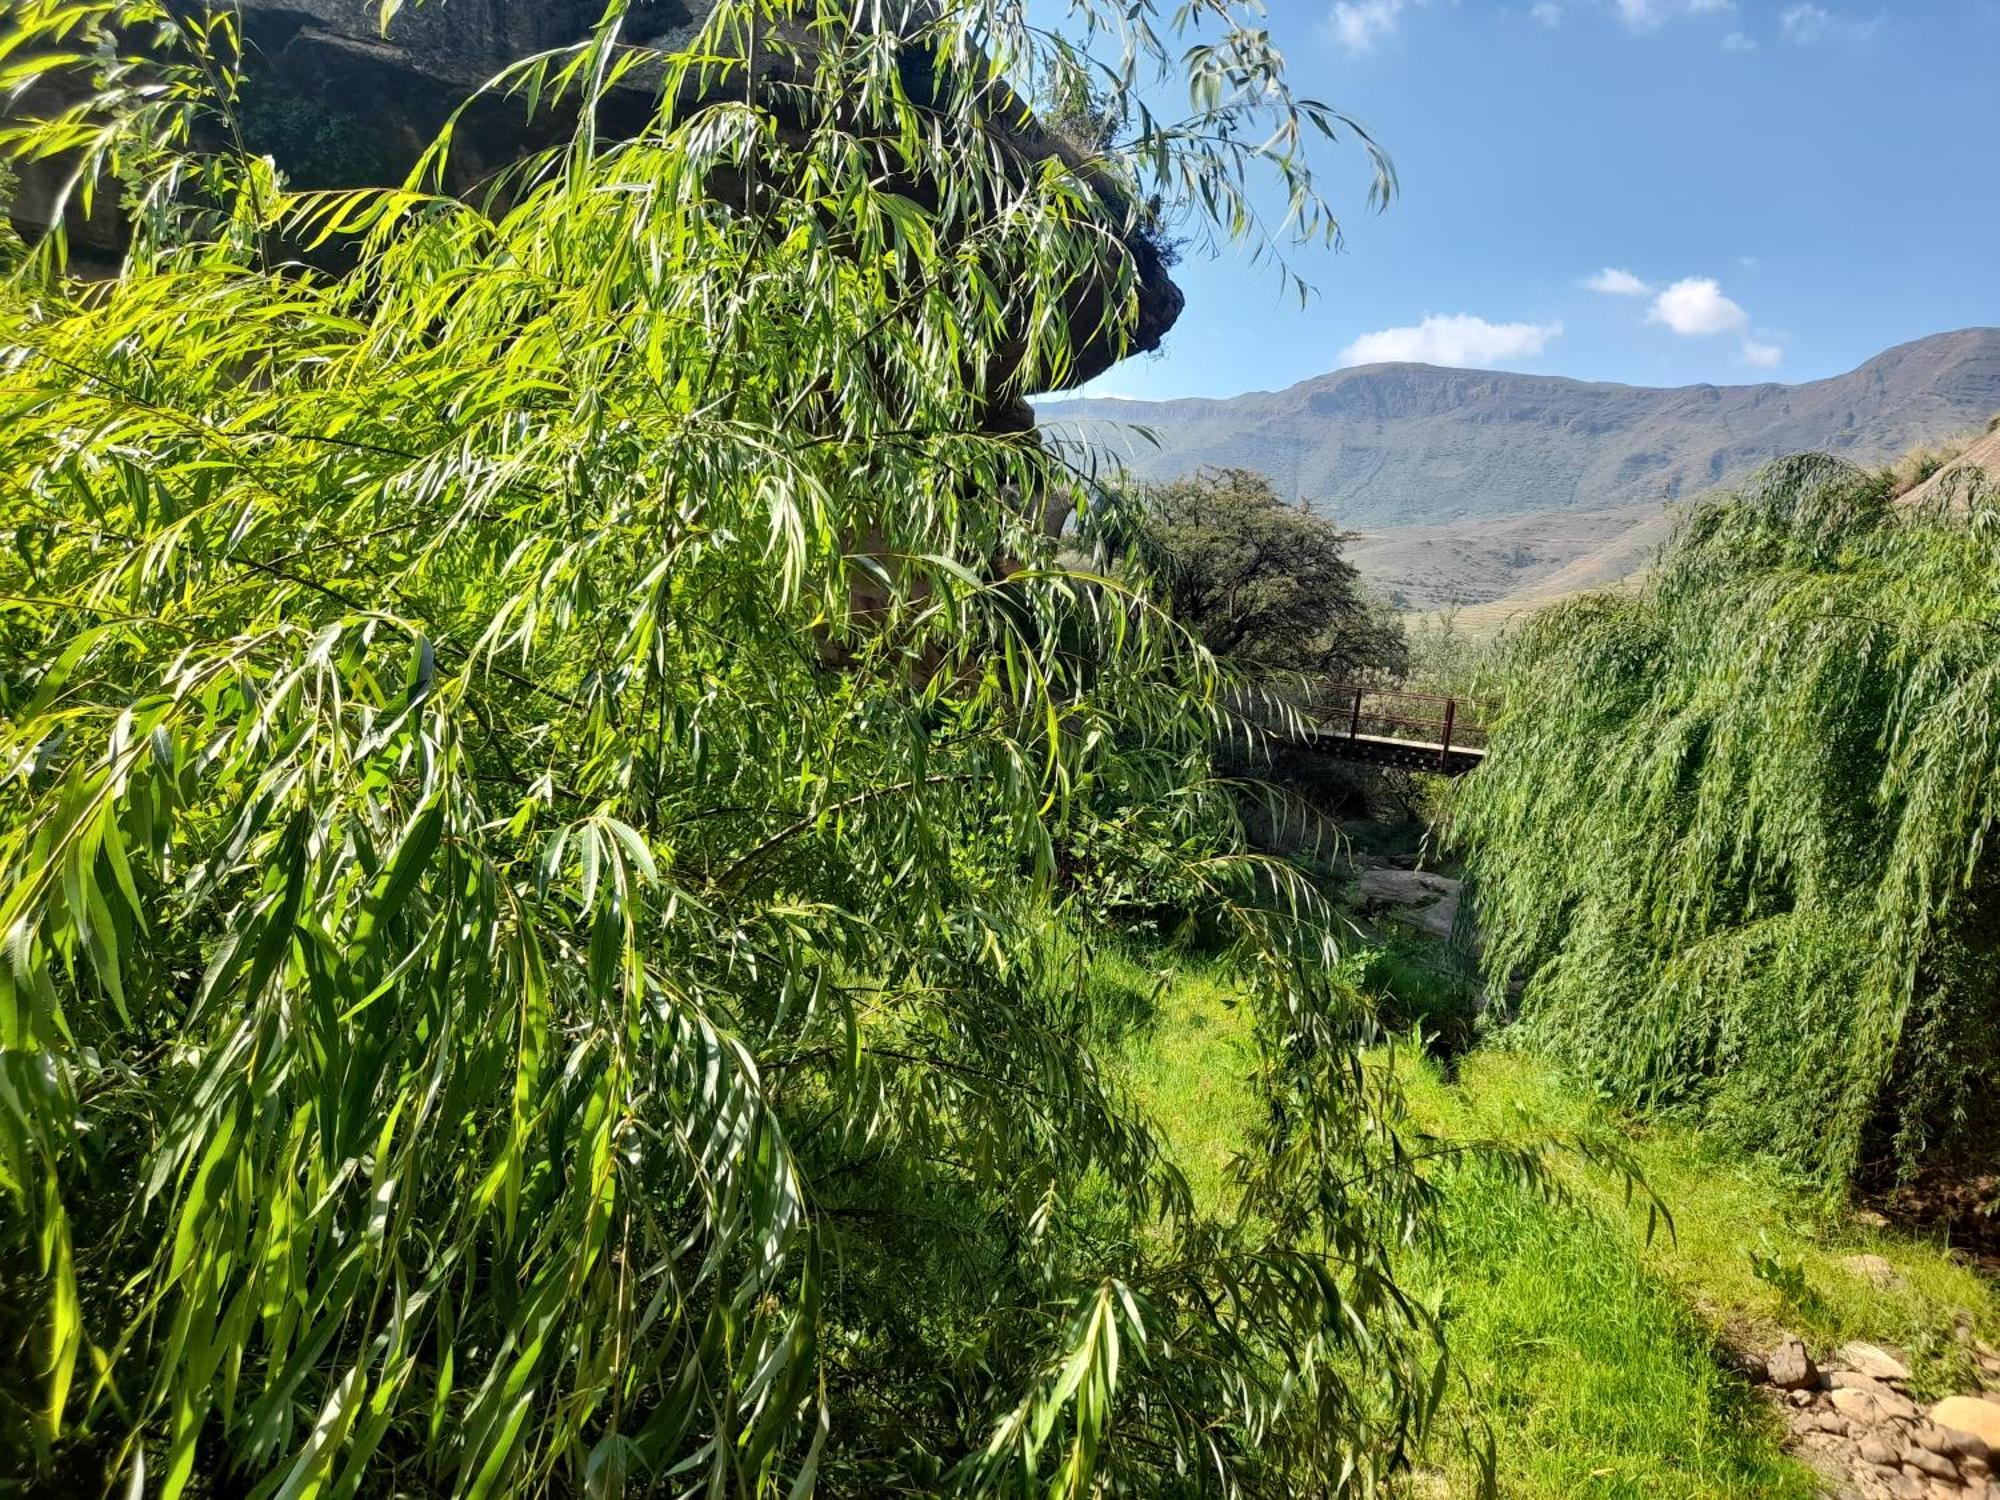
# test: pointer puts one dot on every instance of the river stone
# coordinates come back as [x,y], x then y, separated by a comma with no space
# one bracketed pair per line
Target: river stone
[1936,1465]
[1873,1407]
[1880,1452]
[1790,1367]
[1872,1360]
[1953,1443]
[1871,1268]
[1970,1414]
[1853,1380]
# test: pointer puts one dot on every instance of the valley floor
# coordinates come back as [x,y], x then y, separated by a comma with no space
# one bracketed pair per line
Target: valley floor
[1605,1363]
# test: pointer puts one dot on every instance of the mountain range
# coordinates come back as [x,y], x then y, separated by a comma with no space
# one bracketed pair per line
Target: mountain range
[1480,486]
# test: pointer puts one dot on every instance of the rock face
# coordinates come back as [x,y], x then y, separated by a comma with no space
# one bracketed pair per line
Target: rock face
[323,70]
[462,42]
[1952,487]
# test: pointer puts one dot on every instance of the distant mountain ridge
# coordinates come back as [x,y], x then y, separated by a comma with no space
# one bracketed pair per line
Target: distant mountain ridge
[1497,479]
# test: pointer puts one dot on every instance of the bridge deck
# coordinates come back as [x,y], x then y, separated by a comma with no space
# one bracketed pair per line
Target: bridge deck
[1402,755]
[1391,726]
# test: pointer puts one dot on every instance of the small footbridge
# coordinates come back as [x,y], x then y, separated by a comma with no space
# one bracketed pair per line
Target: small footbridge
[1386,726]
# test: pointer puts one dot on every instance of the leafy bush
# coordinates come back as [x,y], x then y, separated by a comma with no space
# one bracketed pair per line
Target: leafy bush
[314,145]
[1265,585]
[1423,984]
[1736,829]
[533,771]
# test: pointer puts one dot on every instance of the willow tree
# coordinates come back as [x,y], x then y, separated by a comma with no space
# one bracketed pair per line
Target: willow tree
[1736,829]
[513,982]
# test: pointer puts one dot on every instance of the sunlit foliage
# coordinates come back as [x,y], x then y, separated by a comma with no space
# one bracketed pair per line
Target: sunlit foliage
[1736,829]
[1264,584]
[531,768]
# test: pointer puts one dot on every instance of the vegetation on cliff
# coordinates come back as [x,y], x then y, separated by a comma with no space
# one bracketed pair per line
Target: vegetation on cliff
[1736,830]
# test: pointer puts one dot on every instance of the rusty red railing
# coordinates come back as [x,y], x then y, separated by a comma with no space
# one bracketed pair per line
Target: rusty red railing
[1358,709]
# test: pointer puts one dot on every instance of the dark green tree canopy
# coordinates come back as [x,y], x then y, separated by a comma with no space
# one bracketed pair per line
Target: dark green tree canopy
[1264,584]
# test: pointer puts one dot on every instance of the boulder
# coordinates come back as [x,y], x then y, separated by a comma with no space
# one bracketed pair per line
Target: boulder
[1790,1367]
[1880,1452]
[1962,1447]
[1415,897]
[328,70]
[1872,1360]
[1872,1269]
[1970,1414]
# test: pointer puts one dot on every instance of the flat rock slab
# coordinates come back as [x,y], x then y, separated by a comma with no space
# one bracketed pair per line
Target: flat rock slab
[1422,900]
[1971,1414]
[1872,1408]
[1871,1360]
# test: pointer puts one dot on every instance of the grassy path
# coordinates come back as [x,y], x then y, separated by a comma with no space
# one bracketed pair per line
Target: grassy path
[1593,1354]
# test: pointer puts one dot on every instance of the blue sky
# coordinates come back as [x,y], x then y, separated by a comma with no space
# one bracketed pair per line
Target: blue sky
[1786,189]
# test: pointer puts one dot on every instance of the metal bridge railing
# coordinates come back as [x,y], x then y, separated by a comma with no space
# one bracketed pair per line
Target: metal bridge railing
[1354,709]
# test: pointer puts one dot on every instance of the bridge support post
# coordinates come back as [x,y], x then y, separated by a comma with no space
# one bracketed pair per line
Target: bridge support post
[1354,729]
[1444,753]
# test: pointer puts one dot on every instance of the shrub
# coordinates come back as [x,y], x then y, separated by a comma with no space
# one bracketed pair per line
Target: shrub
[1426,986]
[1736,829]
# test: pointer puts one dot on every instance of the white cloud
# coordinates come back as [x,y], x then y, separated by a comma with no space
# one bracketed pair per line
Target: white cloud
[1461,340]
[1547,12]
[1762,356]
[1804,25]
[1738,41]
[1359,24]
[1695,306]
[1646,15]
[1616,283]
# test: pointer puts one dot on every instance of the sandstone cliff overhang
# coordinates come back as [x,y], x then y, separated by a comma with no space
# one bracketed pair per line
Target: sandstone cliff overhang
[387,96]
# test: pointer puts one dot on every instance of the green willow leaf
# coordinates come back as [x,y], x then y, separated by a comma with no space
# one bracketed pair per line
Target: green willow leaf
[563,803]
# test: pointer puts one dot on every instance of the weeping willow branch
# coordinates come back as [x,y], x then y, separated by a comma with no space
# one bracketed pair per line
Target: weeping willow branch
[1736,831]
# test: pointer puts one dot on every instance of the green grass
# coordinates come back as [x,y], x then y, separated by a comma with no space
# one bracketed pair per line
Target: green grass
[1593,1355]
[1189,1068]
[1594,1378]
[1725,1207]
[1596,1375]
